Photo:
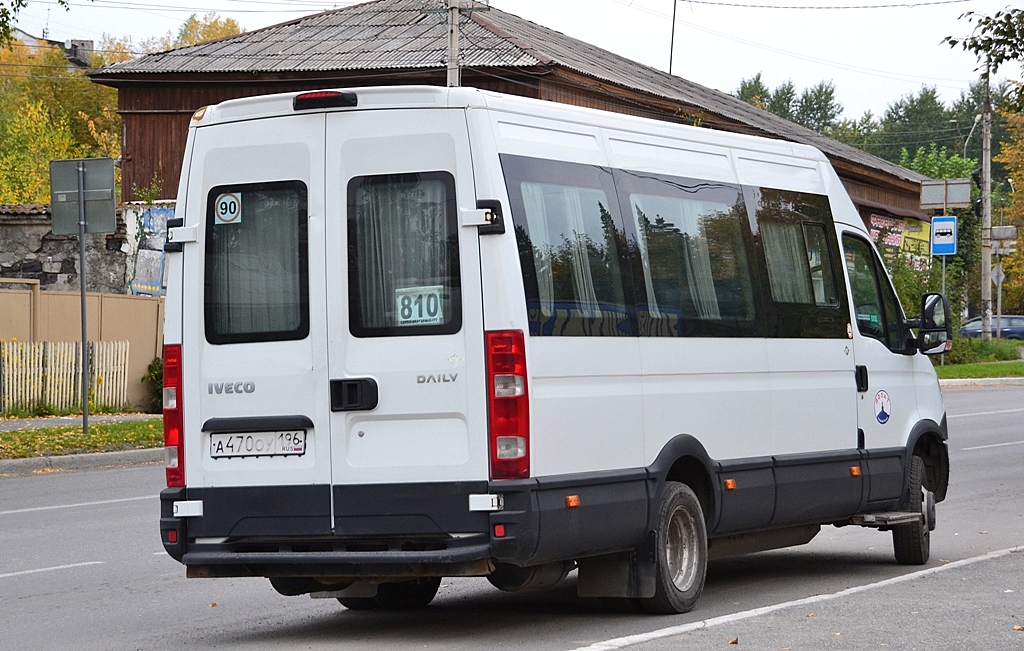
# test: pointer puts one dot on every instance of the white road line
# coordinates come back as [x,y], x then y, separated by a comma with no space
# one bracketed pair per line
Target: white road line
[640,638]
[986,413]
[994,445]
[49,569]
[72,506]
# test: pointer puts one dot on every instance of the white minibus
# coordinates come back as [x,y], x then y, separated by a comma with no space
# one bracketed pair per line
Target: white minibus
[423,332]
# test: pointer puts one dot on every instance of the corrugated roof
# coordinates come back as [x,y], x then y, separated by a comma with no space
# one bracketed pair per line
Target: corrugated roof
[400,34]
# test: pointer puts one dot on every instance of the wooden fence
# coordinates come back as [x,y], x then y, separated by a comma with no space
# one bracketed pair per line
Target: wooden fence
[48,375]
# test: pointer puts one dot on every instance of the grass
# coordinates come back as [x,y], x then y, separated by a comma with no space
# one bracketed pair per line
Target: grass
[69,439]
[981,370]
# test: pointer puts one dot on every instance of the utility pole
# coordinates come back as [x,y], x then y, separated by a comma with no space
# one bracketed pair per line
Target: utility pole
[454,78]
[672,39]
[986,214]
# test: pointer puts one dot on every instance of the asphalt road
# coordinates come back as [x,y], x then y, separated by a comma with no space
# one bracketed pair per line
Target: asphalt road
[81,566]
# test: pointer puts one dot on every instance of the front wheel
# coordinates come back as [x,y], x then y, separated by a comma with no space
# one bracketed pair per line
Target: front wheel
[682,552]
[911,543]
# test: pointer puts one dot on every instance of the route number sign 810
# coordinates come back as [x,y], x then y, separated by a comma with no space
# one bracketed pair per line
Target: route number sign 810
[419,305]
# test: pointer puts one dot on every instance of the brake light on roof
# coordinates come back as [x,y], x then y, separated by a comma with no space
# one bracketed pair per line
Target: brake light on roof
[323,99]
[174,438]
[508,404]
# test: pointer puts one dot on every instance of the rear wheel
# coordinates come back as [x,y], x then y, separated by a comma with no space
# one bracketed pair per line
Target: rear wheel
[359,603]
[416,593]
[911,543]
[682,552]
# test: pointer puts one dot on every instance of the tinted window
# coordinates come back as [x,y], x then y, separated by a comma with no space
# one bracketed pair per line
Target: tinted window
[403,255]
[570,245]
[256,263]
[798,238]
[692,246]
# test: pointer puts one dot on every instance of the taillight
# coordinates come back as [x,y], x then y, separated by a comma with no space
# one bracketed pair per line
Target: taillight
[509,404]
[174,439]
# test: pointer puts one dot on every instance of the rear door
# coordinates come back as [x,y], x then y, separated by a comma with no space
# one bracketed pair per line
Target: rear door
[258,447]
[404,323]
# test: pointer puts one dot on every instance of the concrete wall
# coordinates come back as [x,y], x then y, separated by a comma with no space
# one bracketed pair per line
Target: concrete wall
[30,315]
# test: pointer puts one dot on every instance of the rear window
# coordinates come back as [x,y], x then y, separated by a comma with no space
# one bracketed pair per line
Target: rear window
[257,268]
[403,255]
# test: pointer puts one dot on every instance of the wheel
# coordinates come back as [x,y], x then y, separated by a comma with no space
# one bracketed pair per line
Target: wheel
[359,603]
[682,552]
[416,593]
[912,542]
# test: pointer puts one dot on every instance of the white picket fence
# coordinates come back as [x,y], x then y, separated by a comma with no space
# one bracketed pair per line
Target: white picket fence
[49,374]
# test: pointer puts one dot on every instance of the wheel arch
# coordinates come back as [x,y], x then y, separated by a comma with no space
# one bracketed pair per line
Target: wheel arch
[928,441]
[684,459]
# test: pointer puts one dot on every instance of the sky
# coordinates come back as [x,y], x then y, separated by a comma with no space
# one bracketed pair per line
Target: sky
[873,51]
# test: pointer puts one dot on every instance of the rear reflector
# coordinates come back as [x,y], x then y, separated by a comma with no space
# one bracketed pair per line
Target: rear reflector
[324,99]
[174,439]
[508,402]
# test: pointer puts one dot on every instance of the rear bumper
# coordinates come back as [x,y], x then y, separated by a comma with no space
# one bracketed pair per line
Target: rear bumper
[402,530]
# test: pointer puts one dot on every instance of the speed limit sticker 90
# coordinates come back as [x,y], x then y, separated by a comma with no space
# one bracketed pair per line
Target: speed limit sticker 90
[228,208]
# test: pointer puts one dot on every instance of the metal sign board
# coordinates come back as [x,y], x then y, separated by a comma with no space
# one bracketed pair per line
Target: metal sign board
[946,193]
[1004,232]
[944,235]
[100,204]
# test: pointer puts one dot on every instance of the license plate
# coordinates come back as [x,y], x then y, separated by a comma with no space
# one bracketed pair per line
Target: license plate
[258,444]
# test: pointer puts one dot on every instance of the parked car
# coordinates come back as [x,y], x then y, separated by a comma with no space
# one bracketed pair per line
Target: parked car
[1012,327]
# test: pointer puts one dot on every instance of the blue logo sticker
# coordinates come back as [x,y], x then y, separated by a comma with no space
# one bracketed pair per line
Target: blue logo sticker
[883,408]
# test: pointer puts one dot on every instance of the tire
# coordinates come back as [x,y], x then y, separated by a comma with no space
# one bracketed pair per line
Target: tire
[911,543]
[416,593]
[359,603]
[682,552]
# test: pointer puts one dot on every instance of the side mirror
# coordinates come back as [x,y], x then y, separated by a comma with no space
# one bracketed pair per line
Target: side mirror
[935,331]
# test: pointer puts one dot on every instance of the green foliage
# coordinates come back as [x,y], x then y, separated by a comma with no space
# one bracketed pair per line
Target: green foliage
[150,193]
[29,140]
[968,350]
[69,439]
[9,10]
[154,381]
[984,370]
[815,108]
[938,163]
[995,40]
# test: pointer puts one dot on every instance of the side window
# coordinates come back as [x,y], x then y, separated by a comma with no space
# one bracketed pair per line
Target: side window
[570,245]
[875,304]
[692,245]
[797,235]
[403,255]
[257,277]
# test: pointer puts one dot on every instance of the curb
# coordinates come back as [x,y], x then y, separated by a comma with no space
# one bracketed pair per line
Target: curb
[80,461]
[983,382]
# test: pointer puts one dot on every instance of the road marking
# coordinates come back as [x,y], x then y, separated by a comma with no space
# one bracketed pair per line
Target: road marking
[640,638]
[72,506]
[49,569]
[986,413]
[994,445]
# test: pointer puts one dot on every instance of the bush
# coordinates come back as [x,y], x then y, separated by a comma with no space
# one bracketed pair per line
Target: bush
[968,350]
[154,381]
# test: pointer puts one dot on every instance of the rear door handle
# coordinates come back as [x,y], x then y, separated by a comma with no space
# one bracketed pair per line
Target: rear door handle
[354,394]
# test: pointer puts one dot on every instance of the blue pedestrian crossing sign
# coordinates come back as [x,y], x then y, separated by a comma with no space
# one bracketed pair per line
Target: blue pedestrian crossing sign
[944,235]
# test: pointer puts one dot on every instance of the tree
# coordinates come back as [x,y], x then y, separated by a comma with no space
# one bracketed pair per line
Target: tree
[818,108]
[196,30]
[1012,157]
[995,40]
[29,140]
[913,121]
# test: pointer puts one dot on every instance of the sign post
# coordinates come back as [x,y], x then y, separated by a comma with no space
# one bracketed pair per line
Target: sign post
[82,201]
